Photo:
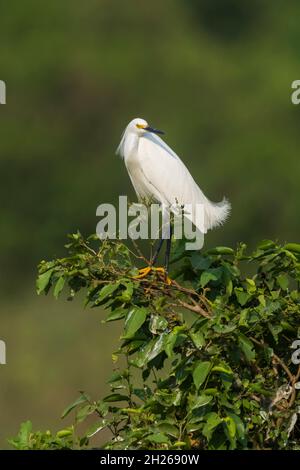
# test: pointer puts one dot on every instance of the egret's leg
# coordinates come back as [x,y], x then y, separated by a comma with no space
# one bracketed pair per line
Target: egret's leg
[168,250]
[145,271]
[155,256]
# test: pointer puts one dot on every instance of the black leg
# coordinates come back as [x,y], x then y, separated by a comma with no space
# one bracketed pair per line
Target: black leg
[168,250]
[155,256]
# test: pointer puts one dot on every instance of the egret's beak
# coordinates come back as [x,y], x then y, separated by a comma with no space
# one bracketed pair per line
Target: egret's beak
[154,131]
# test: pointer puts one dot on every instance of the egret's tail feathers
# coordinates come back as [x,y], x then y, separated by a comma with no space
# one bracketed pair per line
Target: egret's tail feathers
[216,213]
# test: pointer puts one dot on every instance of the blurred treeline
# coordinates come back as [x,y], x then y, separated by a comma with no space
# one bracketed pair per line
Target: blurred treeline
[215,75]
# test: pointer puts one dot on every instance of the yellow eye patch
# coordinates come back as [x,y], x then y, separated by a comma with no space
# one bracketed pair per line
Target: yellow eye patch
[140,126]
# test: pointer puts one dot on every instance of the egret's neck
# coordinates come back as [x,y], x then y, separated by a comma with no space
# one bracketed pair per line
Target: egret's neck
[131,142]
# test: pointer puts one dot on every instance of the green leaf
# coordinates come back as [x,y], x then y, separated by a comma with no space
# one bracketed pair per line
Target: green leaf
[180,444]
[199,401]
[221,250]
[65,433]
[200,373]
[200,262]
[231,426]
[242,296]
[198,339]
[126,294]
[135,411]
[24,433]
[283,281]
[96,427]
[170,429]
[115,397]
[102,408]
[171,339]
[240,427]
[82,399]
[225,329]
[251,286]
[149,351]
[59,286]
[158,438]
[293,247]
[170,343]
[210,275]
[134,320]
[275,329]
[266,245]
[157,323]
[192,427]
[106,291]
[262,300]
[243,321]
[228,282]
[115,377]
[168,397]
[225,369]
[83,412]
[43,280]
[116,314]
[247,347]
[212,421]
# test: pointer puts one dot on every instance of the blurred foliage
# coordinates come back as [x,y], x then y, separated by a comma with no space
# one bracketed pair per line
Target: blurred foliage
[223,380]
[215,75]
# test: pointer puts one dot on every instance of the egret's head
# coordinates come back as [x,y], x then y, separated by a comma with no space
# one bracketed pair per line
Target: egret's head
[140,126]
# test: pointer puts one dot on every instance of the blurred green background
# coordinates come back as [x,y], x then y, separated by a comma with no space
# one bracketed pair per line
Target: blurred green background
[215,75]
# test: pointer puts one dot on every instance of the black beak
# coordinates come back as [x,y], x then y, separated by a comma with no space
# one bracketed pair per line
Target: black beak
[154,131]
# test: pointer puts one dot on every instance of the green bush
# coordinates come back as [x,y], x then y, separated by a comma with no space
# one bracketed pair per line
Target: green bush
[208,358]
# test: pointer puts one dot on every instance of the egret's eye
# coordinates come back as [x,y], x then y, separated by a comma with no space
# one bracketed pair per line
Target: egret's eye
[140,126]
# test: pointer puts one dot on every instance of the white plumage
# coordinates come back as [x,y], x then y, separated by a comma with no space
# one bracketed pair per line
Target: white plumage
[156,172]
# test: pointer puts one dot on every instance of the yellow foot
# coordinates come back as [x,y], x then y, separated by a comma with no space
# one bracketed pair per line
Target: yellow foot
[163,271]
[145,271]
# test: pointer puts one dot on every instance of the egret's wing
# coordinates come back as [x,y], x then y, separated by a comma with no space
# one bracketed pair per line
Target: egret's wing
[166,174]
[168,179]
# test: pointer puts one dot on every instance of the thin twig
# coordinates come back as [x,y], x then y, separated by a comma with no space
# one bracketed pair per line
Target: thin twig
[194,308]
[89,248]
[277,359]
[139,252]
[191,292]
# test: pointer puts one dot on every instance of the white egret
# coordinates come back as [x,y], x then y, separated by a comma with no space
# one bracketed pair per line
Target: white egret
[157,173]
